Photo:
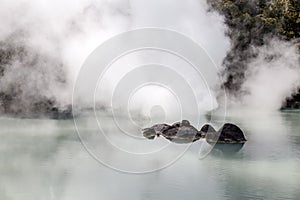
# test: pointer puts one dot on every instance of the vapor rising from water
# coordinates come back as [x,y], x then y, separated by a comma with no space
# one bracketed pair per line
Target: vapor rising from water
[273,76]
[261,69]
[44,43]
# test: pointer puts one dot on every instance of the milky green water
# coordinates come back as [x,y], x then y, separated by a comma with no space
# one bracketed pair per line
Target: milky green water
[45,160]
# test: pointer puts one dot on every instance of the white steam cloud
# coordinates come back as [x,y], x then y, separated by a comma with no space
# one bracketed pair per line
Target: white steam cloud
[48,41]
[271,77]
[57,36]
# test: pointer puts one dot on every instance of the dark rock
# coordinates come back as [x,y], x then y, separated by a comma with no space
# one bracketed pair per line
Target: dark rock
[160,128]
[182,123]
[155,130]
[180,132]
[207,128]
[183,132]
[228,134]
[149,133]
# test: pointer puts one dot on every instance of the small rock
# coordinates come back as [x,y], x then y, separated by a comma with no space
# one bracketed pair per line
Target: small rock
[228,134]
[207,129]
[179,132]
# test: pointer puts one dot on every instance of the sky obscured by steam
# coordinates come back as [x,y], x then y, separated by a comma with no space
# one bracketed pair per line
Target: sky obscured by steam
[46,43]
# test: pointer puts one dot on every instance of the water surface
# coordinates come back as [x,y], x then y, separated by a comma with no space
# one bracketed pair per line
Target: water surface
[45,160]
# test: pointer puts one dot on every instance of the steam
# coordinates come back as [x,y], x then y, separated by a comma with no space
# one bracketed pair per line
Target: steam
[44,43]
[261,69]
[273,76]
[190,17]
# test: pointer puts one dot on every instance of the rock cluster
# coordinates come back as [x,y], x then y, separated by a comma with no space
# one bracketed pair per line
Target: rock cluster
[184,132]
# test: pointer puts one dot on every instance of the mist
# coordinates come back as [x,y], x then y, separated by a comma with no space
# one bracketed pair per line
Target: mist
[261,68]
[272,76]
[45,43]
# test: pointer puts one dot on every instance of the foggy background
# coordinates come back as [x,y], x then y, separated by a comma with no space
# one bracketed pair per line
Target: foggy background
[44,43]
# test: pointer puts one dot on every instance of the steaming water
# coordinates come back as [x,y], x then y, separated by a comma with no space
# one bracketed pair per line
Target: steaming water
[44,159]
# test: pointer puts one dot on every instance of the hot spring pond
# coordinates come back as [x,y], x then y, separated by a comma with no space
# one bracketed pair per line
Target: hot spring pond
[45,160]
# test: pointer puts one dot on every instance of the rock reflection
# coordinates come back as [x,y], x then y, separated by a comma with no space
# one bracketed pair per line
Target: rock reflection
[226,149]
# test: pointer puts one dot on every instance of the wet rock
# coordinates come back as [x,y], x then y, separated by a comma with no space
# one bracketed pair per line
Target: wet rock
[180,132]
[149,133]
[155,130]
[160,128]
[183,132]
[228,134]
[207,129]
